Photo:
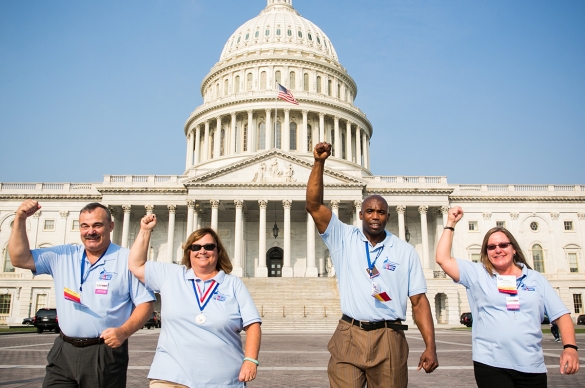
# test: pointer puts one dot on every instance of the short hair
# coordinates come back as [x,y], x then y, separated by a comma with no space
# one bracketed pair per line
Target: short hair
[94,205]
[374,196]
[223,260]
[518,257]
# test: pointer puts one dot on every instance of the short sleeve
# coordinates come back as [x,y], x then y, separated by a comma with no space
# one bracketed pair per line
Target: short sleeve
[416,278]
[156,273]
[46,258]
[553,304]
[247,307]
[467,272]
[335,234]
[138,292]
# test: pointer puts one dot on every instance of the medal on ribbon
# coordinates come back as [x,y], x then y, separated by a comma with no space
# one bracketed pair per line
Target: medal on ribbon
[203,299]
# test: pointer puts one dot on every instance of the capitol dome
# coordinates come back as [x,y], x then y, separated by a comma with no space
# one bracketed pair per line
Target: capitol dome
[280,26]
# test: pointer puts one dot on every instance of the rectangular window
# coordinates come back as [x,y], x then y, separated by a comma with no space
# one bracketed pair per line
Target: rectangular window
[573,266]
[5,304]
[75,225]
[41,302]
[475,257]
[568,225]
[500,224]
[473,226]
[49,225]
[578,303]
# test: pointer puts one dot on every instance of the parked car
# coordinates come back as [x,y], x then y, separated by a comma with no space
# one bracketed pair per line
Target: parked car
[581,319]
[28,321]
[153,321]
[46,319]
[466,319]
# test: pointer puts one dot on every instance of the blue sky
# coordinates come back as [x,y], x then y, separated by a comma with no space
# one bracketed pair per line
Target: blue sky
[479,91]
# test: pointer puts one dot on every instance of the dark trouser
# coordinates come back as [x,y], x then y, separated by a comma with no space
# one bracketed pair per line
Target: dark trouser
[377,357]
[489,376]
[93,366]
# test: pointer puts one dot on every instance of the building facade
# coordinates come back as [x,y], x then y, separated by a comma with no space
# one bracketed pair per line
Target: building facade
[248,159]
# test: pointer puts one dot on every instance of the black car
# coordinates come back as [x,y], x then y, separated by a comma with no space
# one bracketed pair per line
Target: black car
[581,319]
[466,319]
[153,321]
[46,319]
[28,321]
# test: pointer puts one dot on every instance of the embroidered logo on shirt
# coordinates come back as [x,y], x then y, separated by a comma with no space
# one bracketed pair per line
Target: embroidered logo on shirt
[389,265]
[528,288]
[104,275]
[219,296]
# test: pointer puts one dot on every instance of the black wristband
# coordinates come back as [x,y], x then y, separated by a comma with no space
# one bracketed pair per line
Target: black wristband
[450,228]
[570,346]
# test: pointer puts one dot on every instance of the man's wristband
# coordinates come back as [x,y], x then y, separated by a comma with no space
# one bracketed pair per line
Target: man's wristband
[450,228]
[251,360]
[570,346]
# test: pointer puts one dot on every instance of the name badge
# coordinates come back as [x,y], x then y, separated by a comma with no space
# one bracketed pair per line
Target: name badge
[380,295]
[71,295]
[507,284]
[373,273]
[513,303]
[101,287]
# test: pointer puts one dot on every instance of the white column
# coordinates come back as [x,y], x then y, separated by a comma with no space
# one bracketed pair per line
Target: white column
[190,144]
[196,219]
[401,232]
[197,157]
[337,138]
[205,150]
[237,271]
[287,271]
[232,147]
[358,208]
[269,130]
[113,213]
[335,207]
[217,139]
[214,213]
[425,234]
[304,134]
[321,127]
[348,153]
[61,226]
[366,151]
[262,270]
[34,224]
[190,209]
[358,145]
[171,234]
[312,271]
[126,225]
[250,131]
[286,131]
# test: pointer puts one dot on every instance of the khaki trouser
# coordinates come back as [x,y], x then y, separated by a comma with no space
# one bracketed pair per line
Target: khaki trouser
[377,357]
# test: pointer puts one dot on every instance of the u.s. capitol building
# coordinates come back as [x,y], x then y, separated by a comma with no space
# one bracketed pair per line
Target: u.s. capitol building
[246,168]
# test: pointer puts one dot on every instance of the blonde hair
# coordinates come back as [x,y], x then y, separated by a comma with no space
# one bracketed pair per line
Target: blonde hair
[518,257]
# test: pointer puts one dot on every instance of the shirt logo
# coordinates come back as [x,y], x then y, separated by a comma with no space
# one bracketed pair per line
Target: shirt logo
[104,275]
[528,288]
[219,296]
[389,265]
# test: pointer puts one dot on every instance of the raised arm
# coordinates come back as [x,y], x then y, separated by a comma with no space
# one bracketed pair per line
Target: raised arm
[314,201]
[139,251]
[18,245]
[443,257]
[569,360]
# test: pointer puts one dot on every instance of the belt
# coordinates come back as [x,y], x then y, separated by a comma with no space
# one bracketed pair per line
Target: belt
[374,325]
[81,342]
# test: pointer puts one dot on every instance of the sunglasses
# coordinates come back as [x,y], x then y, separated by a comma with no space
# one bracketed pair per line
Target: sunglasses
[197,247]
[505,245]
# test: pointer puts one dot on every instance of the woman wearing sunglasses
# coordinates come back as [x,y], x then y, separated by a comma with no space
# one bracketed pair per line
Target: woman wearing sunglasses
[508,301]
[204,310]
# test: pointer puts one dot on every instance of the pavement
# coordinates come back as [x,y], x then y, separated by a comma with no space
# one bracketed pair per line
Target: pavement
[286,359]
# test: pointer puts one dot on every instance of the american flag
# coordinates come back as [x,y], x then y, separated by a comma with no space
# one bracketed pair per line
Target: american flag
[286,95]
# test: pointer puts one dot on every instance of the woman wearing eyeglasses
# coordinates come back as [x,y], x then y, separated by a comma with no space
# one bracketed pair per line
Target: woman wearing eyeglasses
[204,310]
[508,301]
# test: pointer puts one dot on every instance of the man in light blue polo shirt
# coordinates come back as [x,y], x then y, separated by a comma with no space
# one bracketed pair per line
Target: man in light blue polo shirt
[377,273]
[99,302]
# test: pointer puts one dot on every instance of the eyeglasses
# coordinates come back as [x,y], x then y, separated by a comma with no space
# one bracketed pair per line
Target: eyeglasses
[505,245]
[197,247]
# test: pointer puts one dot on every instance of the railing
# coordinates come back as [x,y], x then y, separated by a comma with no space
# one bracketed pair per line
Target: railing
[530,188]
[439,275]
[142,178]
[408,179]
[295,311]
[45,186]
[522,188]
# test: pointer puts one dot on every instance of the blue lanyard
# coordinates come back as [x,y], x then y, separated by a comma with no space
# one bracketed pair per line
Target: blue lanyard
[84,278]
[209,292]
[370,264]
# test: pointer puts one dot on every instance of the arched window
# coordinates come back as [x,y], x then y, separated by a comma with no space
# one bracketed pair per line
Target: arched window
[277,135]
[309,138]
[263,80]
[278,30]
[293,136]
[267,32]
[310,36]
[277,77]
[292,80]
[300,34]
[339,90]
[237,84]
[249,82]
[318,84]
[262,136]
[306,82]
[329,87]
[7,267]
[225,87]
[538,258]
[289,32]
[256,34]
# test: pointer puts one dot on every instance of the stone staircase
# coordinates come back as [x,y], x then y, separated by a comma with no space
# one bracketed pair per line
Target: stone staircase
[296,304]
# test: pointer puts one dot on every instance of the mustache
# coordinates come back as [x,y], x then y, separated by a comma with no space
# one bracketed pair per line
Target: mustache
[93,236]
